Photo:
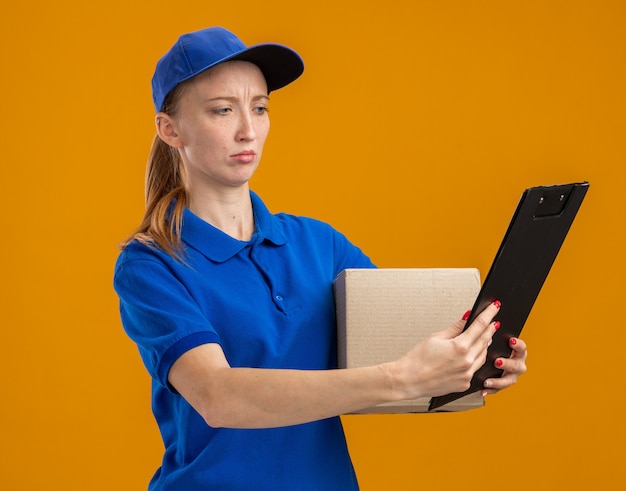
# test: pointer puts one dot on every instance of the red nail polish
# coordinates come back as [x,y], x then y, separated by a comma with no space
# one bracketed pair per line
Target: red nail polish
[497,304]
[499,363]
[513,341]
[466,315]
[496,325]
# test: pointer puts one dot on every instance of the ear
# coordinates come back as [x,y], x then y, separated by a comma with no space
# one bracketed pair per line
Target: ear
[166,129]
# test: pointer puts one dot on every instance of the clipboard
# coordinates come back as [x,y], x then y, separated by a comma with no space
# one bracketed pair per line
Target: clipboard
[531,243]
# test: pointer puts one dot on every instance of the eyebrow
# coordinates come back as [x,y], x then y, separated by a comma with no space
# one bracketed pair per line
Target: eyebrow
[235,99]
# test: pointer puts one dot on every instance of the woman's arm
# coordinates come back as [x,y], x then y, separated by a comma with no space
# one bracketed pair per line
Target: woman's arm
[263,398]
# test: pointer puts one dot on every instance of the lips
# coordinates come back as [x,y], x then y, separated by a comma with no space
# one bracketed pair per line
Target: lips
[245,157]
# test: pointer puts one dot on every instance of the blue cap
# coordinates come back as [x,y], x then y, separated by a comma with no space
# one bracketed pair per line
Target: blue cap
[198,51]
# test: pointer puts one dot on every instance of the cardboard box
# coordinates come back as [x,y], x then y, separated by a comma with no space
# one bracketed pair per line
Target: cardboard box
[382,313]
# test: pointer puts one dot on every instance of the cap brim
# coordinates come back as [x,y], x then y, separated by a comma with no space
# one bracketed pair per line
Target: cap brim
[280,65]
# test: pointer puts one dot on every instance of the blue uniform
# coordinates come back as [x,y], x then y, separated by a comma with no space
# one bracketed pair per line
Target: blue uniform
[269,304]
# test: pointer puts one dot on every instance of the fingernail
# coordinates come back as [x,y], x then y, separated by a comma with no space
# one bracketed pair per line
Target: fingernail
[497,304]
[466,315]
[513,341]
[499,363]
[496,325]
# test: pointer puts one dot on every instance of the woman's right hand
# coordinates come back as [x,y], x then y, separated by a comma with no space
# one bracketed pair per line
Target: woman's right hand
[446,361]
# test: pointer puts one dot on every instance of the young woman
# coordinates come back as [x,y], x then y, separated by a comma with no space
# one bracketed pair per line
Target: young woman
[232,307]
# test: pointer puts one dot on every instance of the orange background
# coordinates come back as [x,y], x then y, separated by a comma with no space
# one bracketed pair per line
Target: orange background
[414,130]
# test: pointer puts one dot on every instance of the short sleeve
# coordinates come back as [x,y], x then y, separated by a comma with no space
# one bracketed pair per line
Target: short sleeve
[159,314]
[347,255]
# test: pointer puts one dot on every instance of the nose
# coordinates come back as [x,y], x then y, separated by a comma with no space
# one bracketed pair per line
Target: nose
[246,130]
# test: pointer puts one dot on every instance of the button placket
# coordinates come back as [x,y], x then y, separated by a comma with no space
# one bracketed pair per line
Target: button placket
[277,298]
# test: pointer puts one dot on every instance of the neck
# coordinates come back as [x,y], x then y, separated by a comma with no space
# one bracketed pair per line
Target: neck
[230,212]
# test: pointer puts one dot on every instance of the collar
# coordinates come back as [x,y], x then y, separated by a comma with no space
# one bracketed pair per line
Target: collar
[218,246]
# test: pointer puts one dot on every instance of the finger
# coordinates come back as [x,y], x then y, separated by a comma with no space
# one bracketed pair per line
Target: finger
[477,350]
[511,365]
[488,392]
[481,345]
[457,328]
[493,385]
[512,369]
[483,321]
[519,348]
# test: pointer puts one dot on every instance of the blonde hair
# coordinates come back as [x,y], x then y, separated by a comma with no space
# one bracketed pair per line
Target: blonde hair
[166,194]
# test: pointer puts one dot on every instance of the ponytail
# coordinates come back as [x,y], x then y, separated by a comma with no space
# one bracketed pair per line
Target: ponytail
[166,195]
[165,184]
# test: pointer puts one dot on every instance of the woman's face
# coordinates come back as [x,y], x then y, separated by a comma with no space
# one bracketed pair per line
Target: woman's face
[221,123]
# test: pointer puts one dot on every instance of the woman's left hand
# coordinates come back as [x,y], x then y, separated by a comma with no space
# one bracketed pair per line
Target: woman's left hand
[513,367]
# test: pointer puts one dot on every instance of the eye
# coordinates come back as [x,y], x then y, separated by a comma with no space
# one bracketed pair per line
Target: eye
[222,110]
[261,109]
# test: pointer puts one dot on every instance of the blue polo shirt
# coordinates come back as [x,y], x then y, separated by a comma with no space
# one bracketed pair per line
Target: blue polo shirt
[269,304]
